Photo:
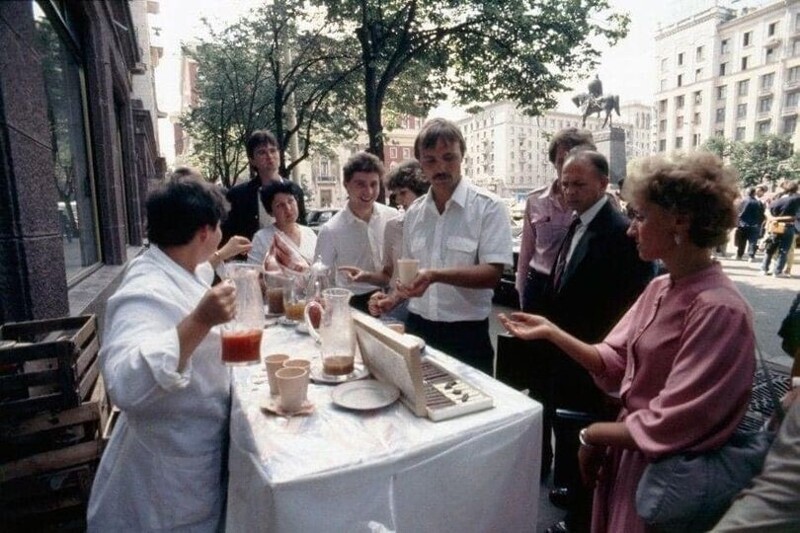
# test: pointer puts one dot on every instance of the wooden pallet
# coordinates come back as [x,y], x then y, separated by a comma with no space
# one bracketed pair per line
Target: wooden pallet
[49,463]
[53,365]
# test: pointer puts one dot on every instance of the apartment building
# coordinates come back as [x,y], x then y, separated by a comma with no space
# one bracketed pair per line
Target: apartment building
[507,150]
[727,72]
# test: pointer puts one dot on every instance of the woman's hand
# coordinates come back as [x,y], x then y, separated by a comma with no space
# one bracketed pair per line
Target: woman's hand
[526,326]
[236,245]
[590,461]
[217,306]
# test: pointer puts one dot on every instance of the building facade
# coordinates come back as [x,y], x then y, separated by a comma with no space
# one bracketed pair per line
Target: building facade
[77,152]
[728,72]
[507,150]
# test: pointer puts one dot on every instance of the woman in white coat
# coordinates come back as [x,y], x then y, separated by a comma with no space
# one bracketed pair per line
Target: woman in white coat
[164,468]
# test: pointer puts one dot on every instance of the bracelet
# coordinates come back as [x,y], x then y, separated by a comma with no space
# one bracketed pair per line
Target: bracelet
[582,439]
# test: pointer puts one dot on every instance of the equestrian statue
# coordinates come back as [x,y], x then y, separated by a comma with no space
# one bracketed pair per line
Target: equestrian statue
[594,102]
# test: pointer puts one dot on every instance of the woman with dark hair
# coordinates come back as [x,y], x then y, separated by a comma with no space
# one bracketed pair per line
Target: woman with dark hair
[163,469]
[279,201]
[682,358]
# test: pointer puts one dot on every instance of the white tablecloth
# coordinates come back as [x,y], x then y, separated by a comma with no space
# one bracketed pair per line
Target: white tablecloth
[383,470]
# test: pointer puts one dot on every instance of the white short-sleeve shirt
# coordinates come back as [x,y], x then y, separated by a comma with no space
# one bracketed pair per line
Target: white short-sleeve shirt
[346,240]
[474,228]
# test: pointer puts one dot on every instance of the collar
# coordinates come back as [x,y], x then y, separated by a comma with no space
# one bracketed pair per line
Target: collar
[350,217]
[459,196]
[588,215]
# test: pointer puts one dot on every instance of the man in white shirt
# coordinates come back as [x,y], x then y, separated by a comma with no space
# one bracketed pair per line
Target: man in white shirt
[461,236]
[354,236]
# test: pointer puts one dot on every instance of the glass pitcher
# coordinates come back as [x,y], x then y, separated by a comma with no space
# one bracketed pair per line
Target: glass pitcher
[241,337]
[335,332]
[319,280]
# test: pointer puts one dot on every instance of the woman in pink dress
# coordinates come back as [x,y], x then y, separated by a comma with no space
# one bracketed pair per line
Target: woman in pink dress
[682,358]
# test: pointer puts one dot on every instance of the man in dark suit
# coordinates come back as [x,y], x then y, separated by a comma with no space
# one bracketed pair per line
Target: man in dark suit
[596,277]
[247,215]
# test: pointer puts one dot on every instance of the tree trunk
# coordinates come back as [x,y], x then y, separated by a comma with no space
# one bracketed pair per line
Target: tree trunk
[374,105]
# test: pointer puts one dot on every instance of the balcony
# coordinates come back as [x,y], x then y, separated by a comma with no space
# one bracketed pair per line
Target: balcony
[789,110]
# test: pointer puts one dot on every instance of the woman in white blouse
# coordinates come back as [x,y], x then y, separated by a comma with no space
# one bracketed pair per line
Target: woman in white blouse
[281,204]
[163,469]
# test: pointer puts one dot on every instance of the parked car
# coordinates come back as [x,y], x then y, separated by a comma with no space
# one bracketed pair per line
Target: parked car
[317,217]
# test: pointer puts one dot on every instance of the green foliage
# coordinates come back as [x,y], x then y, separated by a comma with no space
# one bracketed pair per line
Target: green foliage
[276,69]
[718,145]
[767,159]
[482,50]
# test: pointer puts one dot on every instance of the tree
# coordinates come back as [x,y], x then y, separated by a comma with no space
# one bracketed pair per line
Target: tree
[482,50]
[766,159]
[266,71]
[719,145]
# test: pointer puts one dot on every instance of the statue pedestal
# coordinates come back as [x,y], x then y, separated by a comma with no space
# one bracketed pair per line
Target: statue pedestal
[611,143]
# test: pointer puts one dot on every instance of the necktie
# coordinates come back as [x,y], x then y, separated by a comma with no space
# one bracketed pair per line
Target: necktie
[563,252]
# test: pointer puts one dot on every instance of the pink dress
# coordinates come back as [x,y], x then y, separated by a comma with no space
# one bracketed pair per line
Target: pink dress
[683,360]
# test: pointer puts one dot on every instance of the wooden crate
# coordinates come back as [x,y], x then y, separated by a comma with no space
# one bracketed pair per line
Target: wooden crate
[49,463]
[54,365]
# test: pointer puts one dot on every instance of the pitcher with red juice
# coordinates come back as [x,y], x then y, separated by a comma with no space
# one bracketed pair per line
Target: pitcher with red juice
[241,337]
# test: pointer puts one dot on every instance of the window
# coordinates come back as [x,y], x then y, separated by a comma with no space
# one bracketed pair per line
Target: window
[680,80]
[769,55]
[393,152]
[698,97]
[698,74]
[719,133]
[663,64]
[678,143]
[724,46]
[742,87]
[741,111]
[696,139]
[723,67]
[771,29]
[722,92]
[680,59]
[793,74]
[765,104]
[747,38]
[679,100]
[696,119]
[795,47]
[744,62]
[792,99]
[720,117]
[698,54]
[789,125]
[763,127]
[74,178]
[662,126]
[767,80]
[663,85]
[662,145]
[679,122]
[797,21]
[740,131]
[662,106]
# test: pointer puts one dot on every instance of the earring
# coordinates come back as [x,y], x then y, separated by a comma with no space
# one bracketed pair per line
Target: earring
[678,240]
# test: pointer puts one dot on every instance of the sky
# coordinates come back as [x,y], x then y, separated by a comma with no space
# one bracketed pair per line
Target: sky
[628,69]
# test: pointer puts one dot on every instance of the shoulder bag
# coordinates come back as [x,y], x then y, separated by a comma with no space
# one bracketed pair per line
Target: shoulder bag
[691,491]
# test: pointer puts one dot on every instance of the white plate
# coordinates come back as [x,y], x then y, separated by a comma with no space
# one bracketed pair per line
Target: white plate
[318,376]
[420,340]
[365,395]
[273,406]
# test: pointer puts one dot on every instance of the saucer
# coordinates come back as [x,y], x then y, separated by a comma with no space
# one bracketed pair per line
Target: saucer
[272,404]
[318,376]
[365,395]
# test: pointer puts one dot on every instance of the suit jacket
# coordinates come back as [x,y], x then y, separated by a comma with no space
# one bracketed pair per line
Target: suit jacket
[602,279]
[243,216]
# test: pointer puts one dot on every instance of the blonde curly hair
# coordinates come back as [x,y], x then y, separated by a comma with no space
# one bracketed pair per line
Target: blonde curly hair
[696,184]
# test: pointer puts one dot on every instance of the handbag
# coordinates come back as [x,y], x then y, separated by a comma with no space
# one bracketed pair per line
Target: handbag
[776,227]
[691,491]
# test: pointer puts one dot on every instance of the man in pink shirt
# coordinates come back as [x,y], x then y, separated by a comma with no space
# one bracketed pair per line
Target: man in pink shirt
[545,224]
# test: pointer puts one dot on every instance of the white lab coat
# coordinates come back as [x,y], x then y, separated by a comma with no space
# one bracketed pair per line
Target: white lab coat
[163,468]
